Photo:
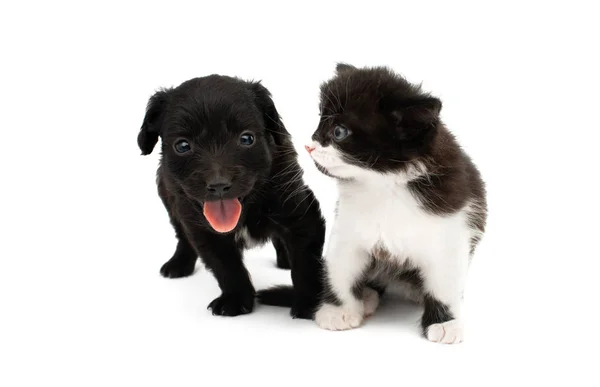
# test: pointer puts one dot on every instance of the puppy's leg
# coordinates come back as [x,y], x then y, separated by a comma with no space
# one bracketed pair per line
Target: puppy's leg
[283,260]
[303,238]
[183,261]
[223,257]
[307,272]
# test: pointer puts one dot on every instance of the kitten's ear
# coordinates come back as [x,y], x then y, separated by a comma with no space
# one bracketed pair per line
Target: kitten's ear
[417,123]
[342,67]
[271,118]
[150,130]
[422,111]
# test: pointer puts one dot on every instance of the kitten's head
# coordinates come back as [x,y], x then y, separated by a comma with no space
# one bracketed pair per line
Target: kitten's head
[372,120]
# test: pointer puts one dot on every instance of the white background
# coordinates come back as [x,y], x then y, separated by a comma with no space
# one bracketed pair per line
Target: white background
[84,232]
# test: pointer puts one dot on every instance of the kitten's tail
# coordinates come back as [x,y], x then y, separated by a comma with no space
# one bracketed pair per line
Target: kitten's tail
[282,295]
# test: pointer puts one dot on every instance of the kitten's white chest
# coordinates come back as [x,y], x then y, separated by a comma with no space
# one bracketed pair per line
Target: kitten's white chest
[388,216]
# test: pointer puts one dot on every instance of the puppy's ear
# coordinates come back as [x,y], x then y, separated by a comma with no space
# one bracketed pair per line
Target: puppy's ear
[148,136]
[343,67]
[273,123]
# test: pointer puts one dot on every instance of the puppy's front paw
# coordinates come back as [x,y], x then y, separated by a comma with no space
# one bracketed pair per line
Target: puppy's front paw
[304,307]
[177,268]
[232,304]
[338,318]
[450,332]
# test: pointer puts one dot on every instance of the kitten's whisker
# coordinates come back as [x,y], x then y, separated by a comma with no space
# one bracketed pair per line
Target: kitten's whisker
[327,95]
[339,101]
[347,81]
[375,162]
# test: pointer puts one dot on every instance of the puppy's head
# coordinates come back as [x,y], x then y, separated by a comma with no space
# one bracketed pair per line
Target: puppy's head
[218,135]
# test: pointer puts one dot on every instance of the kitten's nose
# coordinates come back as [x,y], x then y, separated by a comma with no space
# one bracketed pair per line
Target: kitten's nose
[309,148]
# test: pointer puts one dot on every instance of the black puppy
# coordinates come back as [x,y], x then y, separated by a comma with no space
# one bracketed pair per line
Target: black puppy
[229,178]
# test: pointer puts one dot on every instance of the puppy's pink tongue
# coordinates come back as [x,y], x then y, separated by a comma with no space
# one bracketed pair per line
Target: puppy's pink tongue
[223,215]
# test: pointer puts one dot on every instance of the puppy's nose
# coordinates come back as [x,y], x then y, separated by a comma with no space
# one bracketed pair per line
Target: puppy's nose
[218,188]
[309,148]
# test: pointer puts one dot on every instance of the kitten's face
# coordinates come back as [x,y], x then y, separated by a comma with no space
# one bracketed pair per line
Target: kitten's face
[371,121]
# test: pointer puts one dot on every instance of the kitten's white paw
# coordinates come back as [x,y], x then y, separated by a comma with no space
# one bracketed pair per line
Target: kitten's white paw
[371,300]
[337,318]
[450,332]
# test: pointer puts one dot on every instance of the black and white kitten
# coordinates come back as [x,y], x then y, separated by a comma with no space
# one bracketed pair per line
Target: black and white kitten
[411,206]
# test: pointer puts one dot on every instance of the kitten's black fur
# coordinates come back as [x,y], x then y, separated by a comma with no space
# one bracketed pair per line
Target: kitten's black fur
[395,124]
[211,113]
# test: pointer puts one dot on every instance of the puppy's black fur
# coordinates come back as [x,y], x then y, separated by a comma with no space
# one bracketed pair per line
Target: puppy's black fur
[210,115]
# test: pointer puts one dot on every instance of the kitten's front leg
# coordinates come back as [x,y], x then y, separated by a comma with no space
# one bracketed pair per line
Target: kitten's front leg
[444,280]
[345,264]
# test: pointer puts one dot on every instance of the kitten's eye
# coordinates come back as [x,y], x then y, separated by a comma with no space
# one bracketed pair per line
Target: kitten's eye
[340,133]
[182,146]
[247,139]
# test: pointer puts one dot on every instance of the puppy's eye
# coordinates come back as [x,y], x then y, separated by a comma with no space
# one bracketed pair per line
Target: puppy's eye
[247,139]
[340,133]
[182,146]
